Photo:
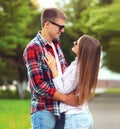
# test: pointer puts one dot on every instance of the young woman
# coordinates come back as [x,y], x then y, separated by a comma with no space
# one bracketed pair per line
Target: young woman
[81,77]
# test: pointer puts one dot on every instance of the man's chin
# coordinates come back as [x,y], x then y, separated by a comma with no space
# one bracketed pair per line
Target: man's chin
[56,39]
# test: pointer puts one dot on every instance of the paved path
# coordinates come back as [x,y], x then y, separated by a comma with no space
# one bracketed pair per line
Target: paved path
[106,111]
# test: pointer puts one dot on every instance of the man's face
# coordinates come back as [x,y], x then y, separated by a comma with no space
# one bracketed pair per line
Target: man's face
[56,28]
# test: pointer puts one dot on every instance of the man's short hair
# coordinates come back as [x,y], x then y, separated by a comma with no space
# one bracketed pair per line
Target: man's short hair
[52,14]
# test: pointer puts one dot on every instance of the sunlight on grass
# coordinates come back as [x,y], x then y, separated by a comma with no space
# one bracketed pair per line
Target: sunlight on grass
[14,114]
[113,90]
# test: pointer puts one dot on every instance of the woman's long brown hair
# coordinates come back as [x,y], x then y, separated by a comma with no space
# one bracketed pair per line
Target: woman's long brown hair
[88,63]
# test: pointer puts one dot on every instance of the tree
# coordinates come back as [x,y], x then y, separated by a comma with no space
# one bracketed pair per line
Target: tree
[106,26]
[101,20]
[14,17]
[72,10]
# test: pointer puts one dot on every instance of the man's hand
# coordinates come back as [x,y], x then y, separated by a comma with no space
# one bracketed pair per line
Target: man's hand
[70,99]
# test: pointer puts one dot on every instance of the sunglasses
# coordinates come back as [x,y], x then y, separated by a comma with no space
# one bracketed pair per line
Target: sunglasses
[60,26]
[75,43]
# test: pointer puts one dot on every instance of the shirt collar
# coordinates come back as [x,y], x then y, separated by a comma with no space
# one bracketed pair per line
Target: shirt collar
[44,41]
[41,39]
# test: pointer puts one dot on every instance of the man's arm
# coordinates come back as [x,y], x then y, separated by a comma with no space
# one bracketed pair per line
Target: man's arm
[70,99]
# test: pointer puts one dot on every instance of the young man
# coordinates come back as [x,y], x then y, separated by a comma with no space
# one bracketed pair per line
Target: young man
[44,97]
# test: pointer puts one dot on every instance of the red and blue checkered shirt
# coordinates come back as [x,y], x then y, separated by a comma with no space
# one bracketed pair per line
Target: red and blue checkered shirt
[39,75]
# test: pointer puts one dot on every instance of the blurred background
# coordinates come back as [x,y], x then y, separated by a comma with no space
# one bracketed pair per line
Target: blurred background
[20,22]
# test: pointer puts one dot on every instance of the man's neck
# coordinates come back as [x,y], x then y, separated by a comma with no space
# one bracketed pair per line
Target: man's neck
[46,36]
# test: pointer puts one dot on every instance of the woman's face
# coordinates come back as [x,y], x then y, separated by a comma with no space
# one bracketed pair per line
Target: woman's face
[76,46]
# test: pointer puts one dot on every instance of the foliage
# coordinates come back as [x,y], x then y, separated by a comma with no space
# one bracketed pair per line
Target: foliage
[4,94]
[6,68]
[14,114]
[14,17]
[20,21]
[105,20]
[106,26]
[67,44]
[34,25]
[101,20]
[12,94]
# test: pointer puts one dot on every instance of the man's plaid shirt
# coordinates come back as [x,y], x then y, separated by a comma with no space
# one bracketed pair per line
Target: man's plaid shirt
[39,75]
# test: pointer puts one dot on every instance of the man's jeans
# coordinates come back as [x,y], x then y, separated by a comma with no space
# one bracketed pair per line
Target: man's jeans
[43,120]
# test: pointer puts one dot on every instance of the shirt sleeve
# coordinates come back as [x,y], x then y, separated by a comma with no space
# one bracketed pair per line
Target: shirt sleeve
[68,81]
[37,75]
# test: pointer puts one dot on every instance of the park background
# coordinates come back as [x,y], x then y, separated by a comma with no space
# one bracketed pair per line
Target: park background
[20,22]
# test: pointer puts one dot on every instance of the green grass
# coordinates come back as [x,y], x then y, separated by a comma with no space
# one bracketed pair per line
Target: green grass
[14,114]
[113,90]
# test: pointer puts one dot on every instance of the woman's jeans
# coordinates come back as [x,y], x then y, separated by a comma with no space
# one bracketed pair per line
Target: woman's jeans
[43,120]
[79,121]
